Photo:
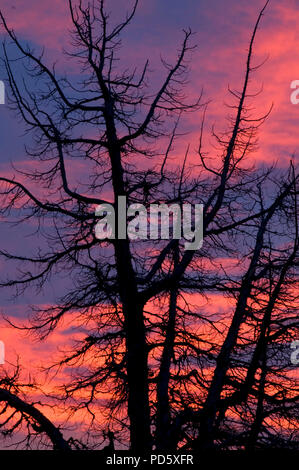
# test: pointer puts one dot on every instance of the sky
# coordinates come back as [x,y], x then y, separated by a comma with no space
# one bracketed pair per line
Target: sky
[222,34]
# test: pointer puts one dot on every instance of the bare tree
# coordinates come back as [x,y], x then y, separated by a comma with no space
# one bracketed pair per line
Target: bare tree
[145,349]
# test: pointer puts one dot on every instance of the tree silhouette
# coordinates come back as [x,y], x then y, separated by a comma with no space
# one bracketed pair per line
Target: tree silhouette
[174,374]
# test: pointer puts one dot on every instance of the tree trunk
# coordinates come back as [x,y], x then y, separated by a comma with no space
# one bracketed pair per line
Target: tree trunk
[136,348]
[163,438]
[259,414]
[210,408]
[136,353]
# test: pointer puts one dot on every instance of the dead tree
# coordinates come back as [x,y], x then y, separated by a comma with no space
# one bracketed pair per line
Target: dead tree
[143,350]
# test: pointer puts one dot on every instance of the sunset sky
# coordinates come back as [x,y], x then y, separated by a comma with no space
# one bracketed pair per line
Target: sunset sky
[222,33]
